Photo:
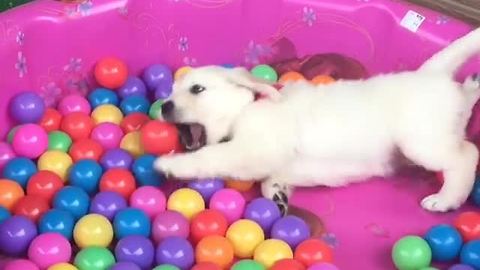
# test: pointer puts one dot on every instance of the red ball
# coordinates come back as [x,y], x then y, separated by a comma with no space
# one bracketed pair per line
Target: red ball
[159,137]
[51,120]
[77,125]
[118,180]
[206,266]
[111,72]
[134,122]
[31,207]
[313,251]
[288,264]
[468,224]
[206,223]
[85,149]
[44,184]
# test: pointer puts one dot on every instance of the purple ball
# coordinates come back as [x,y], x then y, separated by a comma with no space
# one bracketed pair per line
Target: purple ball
[163,90]
[27,107]
[133,86]
[136,249]
[291,229]
[156,74]
[176,251]
[125,266]
[323,266]
[168,224]
[116,158]
[264,212]
[107,204]
[16,233]
[207,187]
[461,267]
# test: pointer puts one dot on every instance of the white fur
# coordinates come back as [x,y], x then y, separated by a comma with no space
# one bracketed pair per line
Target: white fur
[333,134]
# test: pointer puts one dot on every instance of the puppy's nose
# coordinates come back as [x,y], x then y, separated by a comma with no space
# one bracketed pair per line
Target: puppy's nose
[167,108]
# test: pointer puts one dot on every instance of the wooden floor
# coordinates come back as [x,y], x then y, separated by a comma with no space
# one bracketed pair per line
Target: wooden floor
[466,10]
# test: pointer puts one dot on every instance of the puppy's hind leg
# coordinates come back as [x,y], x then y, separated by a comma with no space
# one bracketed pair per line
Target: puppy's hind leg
[278,192]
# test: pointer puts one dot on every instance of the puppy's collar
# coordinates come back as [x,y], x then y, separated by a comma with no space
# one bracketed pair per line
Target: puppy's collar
[258,96]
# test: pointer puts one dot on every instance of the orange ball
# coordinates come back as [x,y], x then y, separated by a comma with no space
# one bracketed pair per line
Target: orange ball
[77,125]
[322,79]
[85,149]
[111,72]
[215,249]
[313,251]
[10,193]
[239,185]
[290,76]
[206,266]
[51,120]
[468,224]
[118,180]
[159,137]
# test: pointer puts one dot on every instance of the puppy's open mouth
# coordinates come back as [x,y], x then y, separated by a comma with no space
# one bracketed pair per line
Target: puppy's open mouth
[192,135]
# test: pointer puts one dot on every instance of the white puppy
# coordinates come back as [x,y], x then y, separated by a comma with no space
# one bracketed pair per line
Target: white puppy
[329,135]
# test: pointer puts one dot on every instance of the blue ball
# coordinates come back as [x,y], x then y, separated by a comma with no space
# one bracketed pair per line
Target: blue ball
[135,103]
[4,214]
[475,195]
[102,96]
[445,242]
[470,254]
[19,170]
[86,175]
[144,172]
[131,221]
[57,221]
[72,199]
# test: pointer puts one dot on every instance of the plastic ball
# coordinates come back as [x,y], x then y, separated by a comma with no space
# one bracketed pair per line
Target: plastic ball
[186,201]
[156,74]
[30,141]
[133,86]
[291,229]
[59,140]
[57,221]
[56,162]
[245,235]
[206,266]
[11,133]
[131,221]
[135,104]
[74,103]
[116,159]
[94,258]
[323,266]
[27,107]
[48,249]
[288,264]
[322,79]
[411,252]
[470,254]
[62,266]
[163,90]
[239,185]
[4,214]
[107,204]
[51,120]
[265,72]
[21,264]
[150,200]
[16,233]
[215,249]
[19,170]
[107,113]
[159,137]
[313,251]
[230,202]
[108,135]
[135,249]
[134,122]
[166,267]
[132,144]
[207,187]
[291,76]
[468,224]
[207,223]
[118,180]
[86,174]
[102,96]
[93,230]
[144,172]
[181,72]
[72,199]
[445,242]
[10,193]
[247,265]
[111,72]
[272,250]
[176,251]
[6,154]
[77,125]
[125,266]
[31,206]
[85,149]
[461,267]
[169,223]
[155,109]
[475,195]
[264,212]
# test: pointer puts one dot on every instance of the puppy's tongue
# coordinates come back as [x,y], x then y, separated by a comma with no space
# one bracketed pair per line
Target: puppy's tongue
[192,136]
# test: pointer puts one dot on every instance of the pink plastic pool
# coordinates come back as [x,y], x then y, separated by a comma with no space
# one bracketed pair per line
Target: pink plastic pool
[50,47]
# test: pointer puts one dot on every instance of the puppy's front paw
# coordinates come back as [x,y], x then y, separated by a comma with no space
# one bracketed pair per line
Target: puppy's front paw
[164,165]
[437,203]
[176,166]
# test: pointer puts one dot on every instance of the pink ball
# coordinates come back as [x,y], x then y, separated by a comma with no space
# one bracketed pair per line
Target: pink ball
[6,154]
[108,135]
[48,249]
[170,223]
[229,202]
[74,103]
[150,200]
[30,141]
[21,264]
[323,266]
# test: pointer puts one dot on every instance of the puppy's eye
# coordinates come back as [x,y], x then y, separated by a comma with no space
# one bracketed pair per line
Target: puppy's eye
[196,89]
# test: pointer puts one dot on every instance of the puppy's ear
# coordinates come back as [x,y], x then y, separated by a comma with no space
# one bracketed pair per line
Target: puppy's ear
[242,77]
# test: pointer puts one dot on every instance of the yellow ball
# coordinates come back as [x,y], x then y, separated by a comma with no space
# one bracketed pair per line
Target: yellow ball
[186,201]
[245,235]
[182,71]
[93,230]
[132,144]
[55,161]
[271,251]
[107,113]
[62,266]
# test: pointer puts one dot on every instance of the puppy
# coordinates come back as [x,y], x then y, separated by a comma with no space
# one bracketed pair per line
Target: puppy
[331,135]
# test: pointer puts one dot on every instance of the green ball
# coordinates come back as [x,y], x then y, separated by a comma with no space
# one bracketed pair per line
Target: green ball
[265,72]
[248,265]
[155,109]
[166,267]
[411,253]
[59,140]
[429,268]
[94,258]
[11,133]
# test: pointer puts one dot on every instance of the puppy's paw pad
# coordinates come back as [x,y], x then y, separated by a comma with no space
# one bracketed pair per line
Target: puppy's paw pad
[437,203]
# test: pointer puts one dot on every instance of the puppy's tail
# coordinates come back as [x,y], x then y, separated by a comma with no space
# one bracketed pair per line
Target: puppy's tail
[453,56]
